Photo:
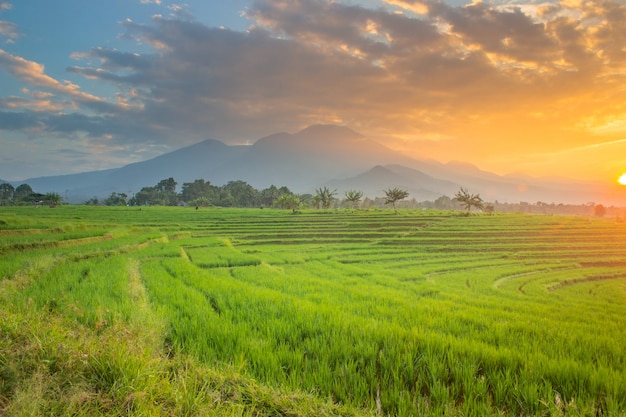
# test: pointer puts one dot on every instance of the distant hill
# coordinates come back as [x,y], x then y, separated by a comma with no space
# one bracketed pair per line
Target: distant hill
[320,155]
[374,181]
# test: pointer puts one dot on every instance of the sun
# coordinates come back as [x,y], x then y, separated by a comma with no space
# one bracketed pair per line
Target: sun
[622,179]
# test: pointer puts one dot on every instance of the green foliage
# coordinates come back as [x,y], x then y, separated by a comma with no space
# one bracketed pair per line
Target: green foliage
[163,194]
[115,199]
[22,191]
[393,195]
[289,201]
[173,311]
[241,194]
[6,194]
[325,196]
[354,196]
[199,190]
[468,200]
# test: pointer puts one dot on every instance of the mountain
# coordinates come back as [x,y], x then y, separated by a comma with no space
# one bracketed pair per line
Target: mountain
[184,165]
[320,155]
[309,158]
[374,181]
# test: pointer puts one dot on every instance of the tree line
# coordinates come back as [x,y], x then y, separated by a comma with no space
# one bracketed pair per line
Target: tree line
[201,193]
[23,195]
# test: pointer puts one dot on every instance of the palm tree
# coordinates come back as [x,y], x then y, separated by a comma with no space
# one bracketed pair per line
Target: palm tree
[354,197]
[326,196]
[289,201]
[468,200]
[393,195]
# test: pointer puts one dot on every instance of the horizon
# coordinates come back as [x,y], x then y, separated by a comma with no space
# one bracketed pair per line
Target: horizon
[324,155]
[251,143]
[519,88]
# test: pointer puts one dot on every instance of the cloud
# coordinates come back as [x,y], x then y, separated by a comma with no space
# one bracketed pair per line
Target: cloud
[18,120]
[37,105]
[33,73]
[9,30]
[412,70]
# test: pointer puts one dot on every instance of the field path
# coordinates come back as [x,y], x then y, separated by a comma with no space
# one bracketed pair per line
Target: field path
[146,324]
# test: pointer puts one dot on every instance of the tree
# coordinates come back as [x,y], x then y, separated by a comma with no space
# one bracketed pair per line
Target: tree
[116,199]
[599,210]
[94,201]
[163,194]
[444,203]
[167,191]
[6,194]
[468,200]
[200,202]
[326,196]
[192,191]
[269,196]
[243,194]
[167,185]
[22,191]
[289,201]
[354,197]
[393,195]
[148,196]
[52,199]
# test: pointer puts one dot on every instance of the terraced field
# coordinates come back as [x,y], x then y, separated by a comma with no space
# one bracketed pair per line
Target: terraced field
[421,313]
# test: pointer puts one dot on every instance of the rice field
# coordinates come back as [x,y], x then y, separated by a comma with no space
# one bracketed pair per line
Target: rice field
[423,313]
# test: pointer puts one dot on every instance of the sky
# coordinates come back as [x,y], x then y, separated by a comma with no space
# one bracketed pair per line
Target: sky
[518,86]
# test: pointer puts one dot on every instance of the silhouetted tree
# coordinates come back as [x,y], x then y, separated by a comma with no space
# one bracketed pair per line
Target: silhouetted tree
[468,200]
[393,195]
[444,203]
[599,210]
[354,196]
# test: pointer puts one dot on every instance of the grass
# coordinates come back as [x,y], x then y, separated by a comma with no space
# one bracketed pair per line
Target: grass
[173,311]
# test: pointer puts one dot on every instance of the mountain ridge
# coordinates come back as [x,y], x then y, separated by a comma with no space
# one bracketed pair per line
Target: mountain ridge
[319,155]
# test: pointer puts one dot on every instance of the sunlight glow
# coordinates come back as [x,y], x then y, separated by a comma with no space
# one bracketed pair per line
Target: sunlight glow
[622,179]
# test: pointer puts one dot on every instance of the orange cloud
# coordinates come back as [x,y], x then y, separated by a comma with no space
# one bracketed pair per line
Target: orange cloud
[33,73]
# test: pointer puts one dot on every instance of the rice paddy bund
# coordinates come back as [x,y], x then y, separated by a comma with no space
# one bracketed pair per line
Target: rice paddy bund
[422,313]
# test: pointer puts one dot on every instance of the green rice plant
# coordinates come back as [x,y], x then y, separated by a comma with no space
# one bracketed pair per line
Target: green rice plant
[411,315]
[95,291]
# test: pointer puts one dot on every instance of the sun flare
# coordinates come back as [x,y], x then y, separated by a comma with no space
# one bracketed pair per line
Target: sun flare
[622,179]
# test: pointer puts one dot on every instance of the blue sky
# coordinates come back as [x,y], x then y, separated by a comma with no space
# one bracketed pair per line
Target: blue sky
[512,86]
